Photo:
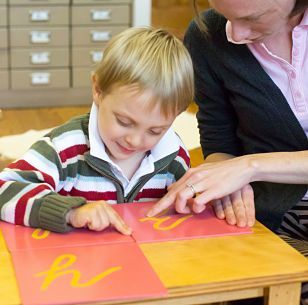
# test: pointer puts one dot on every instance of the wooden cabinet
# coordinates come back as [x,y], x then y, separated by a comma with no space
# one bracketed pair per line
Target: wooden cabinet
[36,28]
[50,47]
[94,23]
[4,62]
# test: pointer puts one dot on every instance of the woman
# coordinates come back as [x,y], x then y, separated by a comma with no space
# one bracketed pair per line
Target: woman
[251,70]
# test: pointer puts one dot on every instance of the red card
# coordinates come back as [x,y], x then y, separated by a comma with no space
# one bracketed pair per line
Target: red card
[21,238]
[170,225]
[85,274]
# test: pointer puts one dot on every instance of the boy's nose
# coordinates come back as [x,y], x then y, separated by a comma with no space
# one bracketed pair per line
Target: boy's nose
[134,140]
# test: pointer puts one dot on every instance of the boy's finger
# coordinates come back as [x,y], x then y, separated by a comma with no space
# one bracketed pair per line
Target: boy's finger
[119,223]
[79,222]
[162,204]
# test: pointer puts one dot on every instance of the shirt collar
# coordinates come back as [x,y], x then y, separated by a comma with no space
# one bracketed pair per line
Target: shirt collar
[304,21]
[167,145]
[229,35]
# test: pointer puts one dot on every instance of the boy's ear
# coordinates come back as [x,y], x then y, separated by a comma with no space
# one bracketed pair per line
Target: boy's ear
[96,91]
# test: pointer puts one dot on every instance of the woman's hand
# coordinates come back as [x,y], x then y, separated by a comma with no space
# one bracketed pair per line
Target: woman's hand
[97,216]
[237,208]
[225,182]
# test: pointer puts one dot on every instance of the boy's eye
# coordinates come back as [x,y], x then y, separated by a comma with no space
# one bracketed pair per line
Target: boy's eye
[123,123]
[155,132]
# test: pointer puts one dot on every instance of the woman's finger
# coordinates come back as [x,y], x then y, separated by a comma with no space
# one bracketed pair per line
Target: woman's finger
[238,209]
[228,210]
[197,208]
[219,211]
[248,199]
[162,204]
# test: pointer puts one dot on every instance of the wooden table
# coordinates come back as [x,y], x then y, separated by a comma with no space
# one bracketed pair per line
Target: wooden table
[202,271]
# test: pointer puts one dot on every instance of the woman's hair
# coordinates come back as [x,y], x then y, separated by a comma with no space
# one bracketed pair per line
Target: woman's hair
[299,7]
[153,59]
[198,18]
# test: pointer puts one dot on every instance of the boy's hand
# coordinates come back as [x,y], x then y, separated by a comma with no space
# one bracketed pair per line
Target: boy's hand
[97,216]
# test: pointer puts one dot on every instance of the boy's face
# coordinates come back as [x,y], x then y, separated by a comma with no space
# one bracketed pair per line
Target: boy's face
[127,126]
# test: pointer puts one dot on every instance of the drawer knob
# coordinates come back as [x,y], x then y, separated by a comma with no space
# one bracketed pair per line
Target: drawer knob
[42,15]
[40,58]
[100,15]
[40,78]
[39,37]
[96,56]
[98,36]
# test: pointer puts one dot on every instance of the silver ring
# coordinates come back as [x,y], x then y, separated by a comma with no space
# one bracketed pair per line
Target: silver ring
[192,188]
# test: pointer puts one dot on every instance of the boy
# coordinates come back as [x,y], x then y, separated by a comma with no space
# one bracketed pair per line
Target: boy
[123,151]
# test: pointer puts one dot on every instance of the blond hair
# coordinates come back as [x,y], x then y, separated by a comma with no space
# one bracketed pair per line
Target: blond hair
[152,58]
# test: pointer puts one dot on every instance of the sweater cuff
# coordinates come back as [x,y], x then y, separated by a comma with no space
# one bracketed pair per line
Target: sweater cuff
[53,210]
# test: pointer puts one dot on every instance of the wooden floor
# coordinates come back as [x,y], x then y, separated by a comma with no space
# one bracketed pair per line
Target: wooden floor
[14,121]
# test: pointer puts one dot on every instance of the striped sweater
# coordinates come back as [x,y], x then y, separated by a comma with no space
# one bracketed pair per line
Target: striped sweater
[57,174]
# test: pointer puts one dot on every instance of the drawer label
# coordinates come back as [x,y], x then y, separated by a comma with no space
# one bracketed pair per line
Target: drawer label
[40,78]
[39,15]
[96,56]
[98,15]
[40,36]
[40,58]
[100,36]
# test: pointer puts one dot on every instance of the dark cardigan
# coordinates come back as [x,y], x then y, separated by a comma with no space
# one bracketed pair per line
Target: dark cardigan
[242,111]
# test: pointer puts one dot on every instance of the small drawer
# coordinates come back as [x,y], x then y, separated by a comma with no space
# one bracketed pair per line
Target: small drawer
[112,14]
[3,16]
[32,37]
[39,15]
[4,80]
[86,57]
[3,39]
[82,77]
[39,2]
[95,36]
[32,58]
[95,2]
[32,79]
[4,62]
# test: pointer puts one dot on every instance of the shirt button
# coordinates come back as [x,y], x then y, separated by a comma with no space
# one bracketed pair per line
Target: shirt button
[298,94]
[301,108]
[292,74]
[295,52]
[297,35]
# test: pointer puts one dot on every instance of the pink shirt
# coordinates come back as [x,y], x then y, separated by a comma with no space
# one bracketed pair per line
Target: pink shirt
[292,79]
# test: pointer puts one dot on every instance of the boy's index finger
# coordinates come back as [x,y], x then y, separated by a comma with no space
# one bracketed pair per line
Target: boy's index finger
[161,205]
[123,228]
[116,220]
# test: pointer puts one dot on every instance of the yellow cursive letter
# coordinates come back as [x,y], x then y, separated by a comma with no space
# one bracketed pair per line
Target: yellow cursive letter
[159,221]
[55,271]
[40,234]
